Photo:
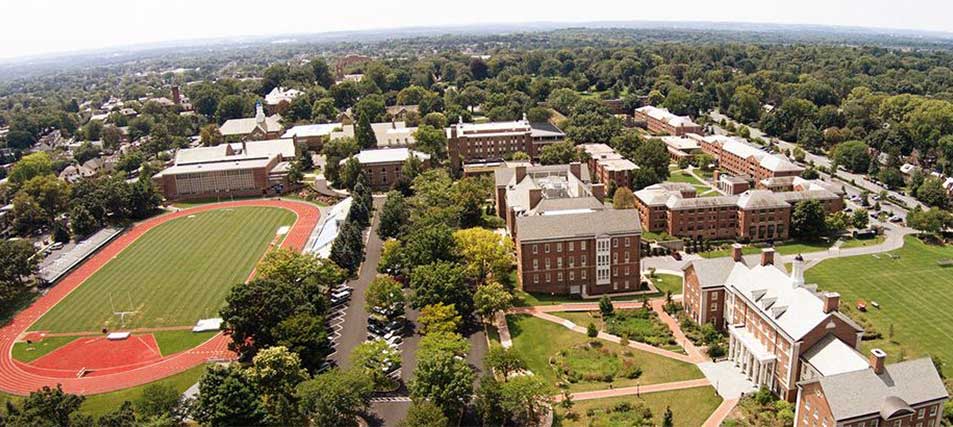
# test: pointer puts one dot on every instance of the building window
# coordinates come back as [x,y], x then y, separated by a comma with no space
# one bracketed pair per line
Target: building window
[559,262]
[535,264]
[549,277]
[546,248]
[572,276]
[626,242]
[559,247]
[535,278]
[921,412]
[583,261]
[615,243]
[582,245]
[582,274]
[559,276]
[535,249]
[547,263]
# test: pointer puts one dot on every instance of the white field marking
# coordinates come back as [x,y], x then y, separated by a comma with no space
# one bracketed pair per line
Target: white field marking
[283,230]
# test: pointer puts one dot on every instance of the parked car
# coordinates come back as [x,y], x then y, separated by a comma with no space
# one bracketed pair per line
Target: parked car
[896,218]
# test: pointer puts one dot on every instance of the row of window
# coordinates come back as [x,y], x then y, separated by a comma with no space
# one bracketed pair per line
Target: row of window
[583,245]
[583,274]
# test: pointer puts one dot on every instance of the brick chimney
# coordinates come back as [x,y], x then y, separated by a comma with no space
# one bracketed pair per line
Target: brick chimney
[176,96]
[831,301]
[520,173]
[736,252]
[767,256]
[877,360]
[535,196]
[599,191]
[715,175]
[576,169]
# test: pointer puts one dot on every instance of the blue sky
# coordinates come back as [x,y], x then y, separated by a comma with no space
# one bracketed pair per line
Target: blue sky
[33,27]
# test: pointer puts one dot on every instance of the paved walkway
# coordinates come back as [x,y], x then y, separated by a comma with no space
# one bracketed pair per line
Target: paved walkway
[628,391]
[696,355]
[503,328]
[727,379]
[721,413]
[14,377]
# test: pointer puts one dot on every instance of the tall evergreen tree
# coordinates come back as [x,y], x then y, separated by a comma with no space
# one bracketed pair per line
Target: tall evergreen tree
[364,133]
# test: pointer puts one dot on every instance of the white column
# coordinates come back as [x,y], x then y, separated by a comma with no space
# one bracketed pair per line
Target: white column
[760,374]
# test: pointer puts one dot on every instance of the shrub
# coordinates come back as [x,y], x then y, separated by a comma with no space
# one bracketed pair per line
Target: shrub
[591,330]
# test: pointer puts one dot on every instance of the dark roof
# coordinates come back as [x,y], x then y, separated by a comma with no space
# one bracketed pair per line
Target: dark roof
[585,224]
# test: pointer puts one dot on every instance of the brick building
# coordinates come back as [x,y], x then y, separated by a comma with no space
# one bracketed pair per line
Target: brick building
[567,240]
[609,166]
[250,168]
[497,141]
[780,329]
[755,215]
[383,166]
[737,157]
[681,147]
[660,121]
[906,394]
[256,128]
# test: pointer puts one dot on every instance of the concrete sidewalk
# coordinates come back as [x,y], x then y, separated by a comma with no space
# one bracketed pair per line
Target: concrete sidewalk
[628,391]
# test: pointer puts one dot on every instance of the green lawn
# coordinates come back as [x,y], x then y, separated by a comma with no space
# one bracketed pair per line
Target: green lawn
[718,253]
[668,282]
[856,243]
[915,295]
[29,352]
[539,340]
[638,325]
[99,404]
[175,274]
[170,342]
[690,408]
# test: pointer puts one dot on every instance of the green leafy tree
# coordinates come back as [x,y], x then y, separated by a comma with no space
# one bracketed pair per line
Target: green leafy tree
[335,398]
[31,166]
[860,218]
[253,311]
[808,220]
[227,397]
[526,398]
[558,154]
[443,379]
[441,282]
[387,293]
[853,155]
[652,155]
[930,221]
[469,195]
[393,215]
[428,245]
[431,140]
[305,335]
[668,418]
[623,199]
[484,252]
[931,192]
[364,133]
[376,358]
[124,416]
[46,407]
[82,223]
[424,414]
[504,362]
[160,401]
[605,306]
[492,298]
[276,372]
[439,318]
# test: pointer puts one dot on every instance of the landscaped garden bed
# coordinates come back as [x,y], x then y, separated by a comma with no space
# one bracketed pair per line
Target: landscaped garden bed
[689,408]
[540,343]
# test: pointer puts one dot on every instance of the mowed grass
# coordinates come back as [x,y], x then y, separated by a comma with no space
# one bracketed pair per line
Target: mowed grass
[173,275]
[538,341]
[915,295]
[98,405]
[690,408]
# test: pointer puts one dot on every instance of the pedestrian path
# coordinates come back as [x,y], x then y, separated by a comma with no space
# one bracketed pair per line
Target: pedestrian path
[637,390]
[721,413]
[696,355]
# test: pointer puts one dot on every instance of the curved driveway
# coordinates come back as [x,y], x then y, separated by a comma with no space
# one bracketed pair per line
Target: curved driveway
[17,377]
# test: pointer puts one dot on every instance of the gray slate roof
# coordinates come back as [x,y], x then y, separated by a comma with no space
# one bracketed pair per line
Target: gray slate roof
[712,272]
[609,221]
[901,385]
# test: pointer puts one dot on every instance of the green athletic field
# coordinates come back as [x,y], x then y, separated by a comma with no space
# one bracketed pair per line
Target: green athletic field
[914,292]
[173,275]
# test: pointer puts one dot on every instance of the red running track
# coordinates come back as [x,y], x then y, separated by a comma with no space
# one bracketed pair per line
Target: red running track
[18,378]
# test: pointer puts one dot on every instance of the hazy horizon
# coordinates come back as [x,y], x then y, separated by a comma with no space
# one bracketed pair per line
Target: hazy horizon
[76,26]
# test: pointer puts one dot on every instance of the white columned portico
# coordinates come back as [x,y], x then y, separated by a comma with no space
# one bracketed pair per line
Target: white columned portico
[750,356]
